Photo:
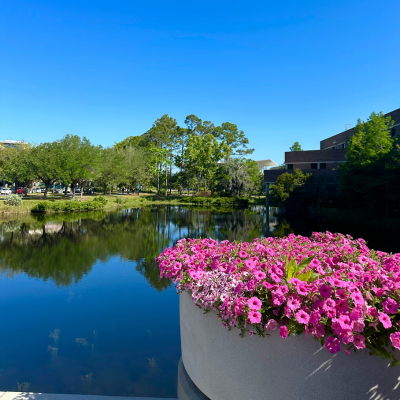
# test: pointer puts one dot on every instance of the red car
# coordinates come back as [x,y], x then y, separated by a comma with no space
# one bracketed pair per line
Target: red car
[20,190]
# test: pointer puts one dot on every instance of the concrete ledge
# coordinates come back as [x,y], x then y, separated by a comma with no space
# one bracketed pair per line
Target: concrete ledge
[55,396]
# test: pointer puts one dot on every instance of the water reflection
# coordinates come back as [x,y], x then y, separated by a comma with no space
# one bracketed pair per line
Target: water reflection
[65,251]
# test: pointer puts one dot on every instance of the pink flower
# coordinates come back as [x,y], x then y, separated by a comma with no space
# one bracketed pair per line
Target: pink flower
[293,302]
[302,317]
[315,317]
[395,339]
[283,332]
[242,254]
[249,264]
[275,277]
[359,341]
[325,291]
[254,317]
[271,325]
[341,294]
[332,345]
[301,289]
[385,319]
[251,333]
[390,306]
[373,312]
[357,297]
[254,303]
[319,331]
[259,275]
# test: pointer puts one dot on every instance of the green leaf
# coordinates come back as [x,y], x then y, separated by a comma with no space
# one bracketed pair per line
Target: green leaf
[306,261]
[305,276]
[290,268]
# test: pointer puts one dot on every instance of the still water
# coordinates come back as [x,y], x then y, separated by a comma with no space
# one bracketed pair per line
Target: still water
[82,306]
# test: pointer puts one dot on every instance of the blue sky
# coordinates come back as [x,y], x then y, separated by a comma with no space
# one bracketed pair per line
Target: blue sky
[282,71]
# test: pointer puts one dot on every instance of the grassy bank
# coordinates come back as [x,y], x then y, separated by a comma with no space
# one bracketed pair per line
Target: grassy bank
[57,203]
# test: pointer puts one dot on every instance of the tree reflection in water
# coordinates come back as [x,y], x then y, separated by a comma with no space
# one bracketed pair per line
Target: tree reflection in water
[64,247]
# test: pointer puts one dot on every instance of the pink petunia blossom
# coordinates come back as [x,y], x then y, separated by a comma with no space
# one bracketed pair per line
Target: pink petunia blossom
[302,317]
[332,345]
[359,341]
[254,317]
[259,275]
[271,325]
[254,303]
[325,291]
[283,332]
[390,306]
[385,319]
[395,339]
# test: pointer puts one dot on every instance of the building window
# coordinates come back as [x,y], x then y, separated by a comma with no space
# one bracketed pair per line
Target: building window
[322,165]
[314,166]
[289,166]
[343,145]
[393,132]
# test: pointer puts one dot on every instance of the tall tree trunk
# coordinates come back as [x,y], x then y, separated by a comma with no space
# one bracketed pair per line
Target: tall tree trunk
[166,177]
[73,191]
[158,180]
[110,189]
[105,189]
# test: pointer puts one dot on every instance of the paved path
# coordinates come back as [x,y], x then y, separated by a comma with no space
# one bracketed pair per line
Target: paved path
[54,396]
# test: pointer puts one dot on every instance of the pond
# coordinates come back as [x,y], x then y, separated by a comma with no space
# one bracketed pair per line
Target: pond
[83,309]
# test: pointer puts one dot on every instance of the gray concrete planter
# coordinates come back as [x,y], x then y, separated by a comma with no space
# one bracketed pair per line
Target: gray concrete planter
[225,366]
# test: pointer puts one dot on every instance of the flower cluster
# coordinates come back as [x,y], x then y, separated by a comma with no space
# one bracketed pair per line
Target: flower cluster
[329,286]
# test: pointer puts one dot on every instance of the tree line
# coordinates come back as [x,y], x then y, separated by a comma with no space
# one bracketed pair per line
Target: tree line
[200,156]
[369,179]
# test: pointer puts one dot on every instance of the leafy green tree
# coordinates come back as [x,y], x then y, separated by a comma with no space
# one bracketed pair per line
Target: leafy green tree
[45,164]
[286,184]
[14,163]
[136,168]
[78,160]
[371,140]
[366,180]
[239,176]
[133,141]
[110,169]
[234,138]
[295,147]
[161,136]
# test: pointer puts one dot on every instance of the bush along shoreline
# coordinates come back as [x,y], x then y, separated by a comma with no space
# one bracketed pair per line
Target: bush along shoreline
[69,205]
[329,286]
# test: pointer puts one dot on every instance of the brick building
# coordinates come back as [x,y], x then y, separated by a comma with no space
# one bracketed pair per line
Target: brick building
[331,153]
[325,161]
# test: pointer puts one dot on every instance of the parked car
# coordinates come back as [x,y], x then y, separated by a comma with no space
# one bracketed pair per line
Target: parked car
[5,191]
[20,190]
[37,190]
[42,190]
[77,190]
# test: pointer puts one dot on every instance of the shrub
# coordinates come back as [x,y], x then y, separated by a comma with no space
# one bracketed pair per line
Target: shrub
[330,286]
[42,207]
[119,200]
[100,199]
[13,200]
[67,206]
